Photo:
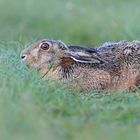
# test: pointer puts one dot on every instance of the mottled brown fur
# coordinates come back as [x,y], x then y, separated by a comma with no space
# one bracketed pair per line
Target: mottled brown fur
[125,57]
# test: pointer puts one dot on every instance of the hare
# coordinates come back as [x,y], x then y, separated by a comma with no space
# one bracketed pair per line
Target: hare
[79,67]
[107,68]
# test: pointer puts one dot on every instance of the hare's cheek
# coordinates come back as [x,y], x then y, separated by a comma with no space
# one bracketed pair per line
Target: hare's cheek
[35,52]
[45,59]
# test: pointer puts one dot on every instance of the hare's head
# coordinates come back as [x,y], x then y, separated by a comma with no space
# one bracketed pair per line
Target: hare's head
[53,59]
[43,54]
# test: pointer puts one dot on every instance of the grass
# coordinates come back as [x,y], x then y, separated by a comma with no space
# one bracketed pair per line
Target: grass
[34,109]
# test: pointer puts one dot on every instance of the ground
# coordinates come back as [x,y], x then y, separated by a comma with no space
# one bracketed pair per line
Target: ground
[33,109]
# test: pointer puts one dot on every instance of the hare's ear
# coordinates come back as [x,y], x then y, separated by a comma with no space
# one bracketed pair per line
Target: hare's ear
[62,45]
[85,57]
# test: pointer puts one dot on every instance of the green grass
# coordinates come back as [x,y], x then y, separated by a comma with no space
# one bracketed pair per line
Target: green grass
[33,109]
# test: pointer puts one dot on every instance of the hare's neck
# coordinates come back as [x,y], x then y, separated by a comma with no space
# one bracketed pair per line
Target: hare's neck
[76,70]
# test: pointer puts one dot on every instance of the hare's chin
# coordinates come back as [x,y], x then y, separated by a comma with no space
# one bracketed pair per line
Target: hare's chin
[30,65]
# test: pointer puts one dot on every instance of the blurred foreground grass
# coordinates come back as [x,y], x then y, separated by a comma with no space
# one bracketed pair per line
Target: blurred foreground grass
[34,109]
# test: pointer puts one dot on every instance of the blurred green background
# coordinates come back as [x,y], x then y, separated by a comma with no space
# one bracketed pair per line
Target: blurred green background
[33,109]
[77,21]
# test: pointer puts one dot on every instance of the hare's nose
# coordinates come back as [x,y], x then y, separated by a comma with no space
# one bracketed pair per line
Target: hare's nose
[23,57]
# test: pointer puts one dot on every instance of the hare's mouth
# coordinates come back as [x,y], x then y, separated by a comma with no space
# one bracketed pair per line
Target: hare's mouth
[26,64]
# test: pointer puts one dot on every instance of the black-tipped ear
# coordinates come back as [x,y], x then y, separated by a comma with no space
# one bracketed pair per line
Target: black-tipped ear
[62,45]
[84,55]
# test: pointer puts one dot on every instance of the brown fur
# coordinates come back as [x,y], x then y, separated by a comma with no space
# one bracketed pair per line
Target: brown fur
[125,57]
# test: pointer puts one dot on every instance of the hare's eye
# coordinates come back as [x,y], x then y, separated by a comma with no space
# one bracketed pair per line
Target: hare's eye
[45,46]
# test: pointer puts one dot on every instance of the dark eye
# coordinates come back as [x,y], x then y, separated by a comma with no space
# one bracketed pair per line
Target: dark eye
[45,46]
